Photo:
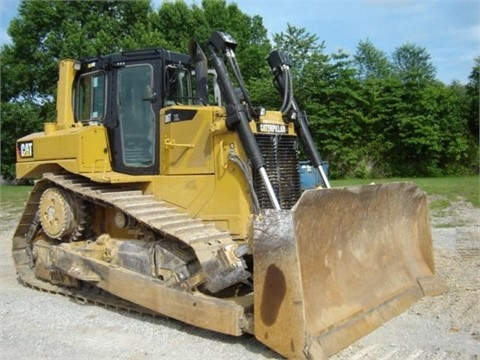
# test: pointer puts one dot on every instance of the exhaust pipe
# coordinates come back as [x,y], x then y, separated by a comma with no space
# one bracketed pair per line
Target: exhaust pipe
[201,71]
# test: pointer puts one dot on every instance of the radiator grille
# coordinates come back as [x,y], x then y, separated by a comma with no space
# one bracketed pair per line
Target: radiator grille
[281,163]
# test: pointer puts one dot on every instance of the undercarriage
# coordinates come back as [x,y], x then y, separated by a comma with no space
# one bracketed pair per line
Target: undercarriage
[66,244]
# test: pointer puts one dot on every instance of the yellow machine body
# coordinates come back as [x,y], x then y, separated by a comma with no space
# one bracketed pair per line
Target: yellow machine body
[195,172]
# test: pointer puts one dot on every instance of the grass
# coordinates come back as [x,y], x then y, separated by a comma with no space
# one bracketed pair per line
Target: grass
[449,189]
[13,200]
[10,194]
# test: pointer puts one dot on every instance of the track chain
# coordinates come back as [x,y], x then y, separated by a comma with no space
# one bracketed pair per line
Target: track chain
[205,239]
[159,216]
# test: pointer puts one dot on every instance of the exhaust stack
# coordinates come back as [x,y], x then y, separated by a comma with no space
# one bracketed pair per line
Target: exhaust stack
[201,70]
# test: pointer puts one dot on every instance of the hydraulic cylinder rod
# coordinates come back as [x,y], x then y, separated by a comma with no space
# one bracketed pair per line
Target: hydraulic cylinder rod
[279,62]
[237,117]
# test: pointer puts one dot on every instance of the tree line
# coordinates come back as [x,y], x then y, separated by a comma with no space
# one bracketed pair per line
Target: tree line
[372,114]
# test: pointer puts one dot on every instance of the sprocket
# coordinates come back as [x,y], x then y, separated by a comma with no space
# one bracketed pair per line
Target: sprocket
[61,215]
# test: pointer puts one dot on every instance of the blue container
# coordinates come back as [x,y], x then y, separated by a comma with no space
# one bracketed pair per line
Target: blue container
[310,177]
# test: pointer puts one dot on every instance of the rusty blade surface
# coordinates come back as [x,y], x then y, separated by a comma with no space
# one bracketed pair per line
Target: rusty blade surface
[340,264]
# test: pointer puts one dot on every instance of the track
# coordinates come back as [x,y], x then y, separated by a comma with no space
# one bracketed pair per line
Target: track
[158,216]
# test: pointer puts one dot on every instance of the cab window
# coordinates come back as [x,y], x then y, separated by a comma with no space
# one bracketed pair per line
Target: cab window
[90,97]
[178,87]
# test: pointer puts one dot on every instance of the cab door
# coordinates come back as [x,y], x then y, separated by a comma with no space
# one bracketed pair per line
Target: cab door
[136,106]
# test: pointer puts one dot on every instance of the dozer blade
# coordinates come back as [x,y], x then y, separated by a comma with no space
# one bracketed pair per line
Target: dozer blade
[338,265]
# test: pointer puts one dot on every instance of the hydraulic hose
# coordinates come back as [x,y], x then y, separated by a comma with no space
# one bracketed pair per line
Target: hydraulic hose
[279,64]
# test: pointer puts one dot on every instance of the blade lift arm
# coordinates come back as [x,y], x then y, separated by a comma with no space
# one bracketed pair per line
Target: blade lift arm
[237,115]
[280,64]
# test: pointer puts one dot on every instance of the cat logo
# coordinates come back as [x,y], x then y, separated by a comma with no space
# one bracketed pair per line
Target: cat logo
[25,149]
[271,128]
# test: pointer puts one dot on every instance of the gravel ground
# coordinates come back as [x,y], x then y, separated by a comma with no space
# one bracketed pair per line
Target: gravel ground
[38,325]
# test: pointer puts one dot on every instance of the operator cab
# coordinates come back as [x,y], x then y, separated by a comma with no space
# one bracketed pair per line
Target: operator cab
[125,93]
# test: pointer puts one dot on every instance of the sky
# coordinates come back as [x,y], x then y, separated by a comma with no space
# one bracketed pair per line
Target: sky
[449,30]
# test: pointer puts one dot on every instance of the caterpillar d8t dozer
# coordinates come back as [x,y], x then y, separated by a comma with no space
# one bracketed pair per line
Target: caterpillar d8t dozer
[155,190]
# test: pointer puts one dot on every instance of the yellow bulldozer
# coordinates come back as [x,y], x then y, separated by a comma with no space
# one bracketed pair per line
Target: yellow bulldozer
[161,187]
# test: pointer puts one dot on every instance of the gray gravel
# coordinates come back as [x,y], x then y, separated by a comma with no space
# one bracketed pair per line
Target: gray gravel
[37,325]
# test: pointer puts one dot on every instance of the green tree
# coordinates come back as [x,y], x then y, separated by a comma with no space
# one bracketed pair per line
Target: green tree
[473,92]
[412,63]
[301,47]
[378,91]
[344,128]
[371,62]
[459,148]
[415,131]
[249,32]
[24,118]
[47,31]
[179,23]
